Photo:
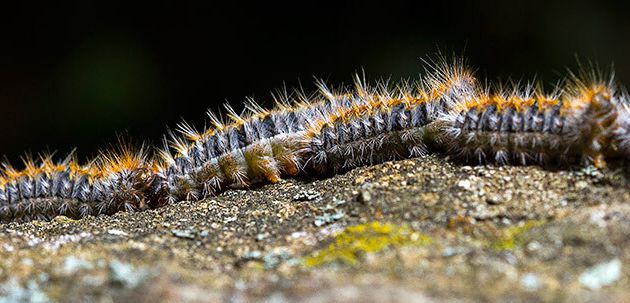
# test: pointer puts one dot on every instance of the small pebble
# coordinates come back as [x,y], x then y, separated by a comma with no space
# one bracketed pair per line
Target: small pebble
[307,195]
[530,282]
[73,264]
[465,184]
[256,254]
[183,233]
[229,219]
[116,232]
[581,185]
[364,196]
[450,251]
[127,275]
[325,219]
[602,274]
[494,199]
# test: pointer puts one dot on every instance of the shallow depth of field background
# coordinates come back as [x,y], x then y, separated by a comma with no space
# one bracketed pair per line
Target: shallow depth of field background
[79,74]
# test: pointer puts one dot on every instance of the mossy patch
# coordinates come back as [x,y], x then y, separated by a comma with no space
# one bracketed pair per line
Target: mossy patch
[355,241]
[512,236]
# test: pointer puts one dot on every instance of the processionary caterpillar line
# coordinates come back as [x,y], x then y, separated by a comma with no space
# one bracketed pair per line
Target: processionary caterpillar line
[586,120]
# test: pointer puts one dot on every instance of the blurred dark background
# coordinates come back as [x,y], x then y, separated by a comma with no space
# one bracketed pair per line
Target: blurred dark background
[79,74]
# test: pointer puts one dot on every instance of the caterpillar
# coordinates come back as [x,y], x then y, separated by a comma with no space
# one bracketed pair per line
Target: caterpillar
[578,123]
[586,119]
[262,146]
[117,180]
[269,144]
[387,124]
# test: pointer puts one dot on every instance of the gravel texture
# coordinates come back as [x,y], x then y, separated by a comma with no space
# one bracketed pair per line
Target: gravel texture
[420,230]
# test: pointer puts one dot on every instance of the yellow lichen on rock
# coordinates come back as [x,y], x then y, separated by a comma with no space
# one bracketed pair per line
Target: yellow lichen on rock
[511,237]
[355,241]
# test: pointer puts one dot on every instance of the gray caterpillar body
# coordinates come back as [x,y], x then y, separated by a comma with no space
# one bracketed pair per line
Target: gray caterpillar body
[47,190]
[262,147]
[390,126]
[532,128]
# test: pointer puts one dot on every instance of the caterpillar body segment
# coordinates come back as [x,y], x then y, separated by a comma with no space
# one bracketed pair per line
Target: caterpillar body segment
[387,124]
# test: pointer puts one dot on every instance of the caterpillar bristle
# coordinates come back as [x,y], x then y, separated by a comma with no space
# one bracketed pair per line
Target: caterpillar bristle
[282,99]
[188,131]
[216,121]
[234,117]
[255,108]
[324,90]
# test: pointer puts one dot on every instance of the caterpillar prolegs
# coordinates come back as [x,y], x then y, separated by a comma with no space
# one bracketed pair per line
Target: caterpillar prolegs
[586,120]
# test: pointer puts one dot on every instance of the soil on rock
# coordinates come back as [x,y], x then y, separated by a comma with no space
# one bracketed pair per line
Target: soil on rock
[421,230]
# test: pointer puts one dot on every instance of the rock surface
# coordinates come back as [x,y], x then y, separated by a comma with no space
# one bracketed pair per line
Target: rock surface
[421,230]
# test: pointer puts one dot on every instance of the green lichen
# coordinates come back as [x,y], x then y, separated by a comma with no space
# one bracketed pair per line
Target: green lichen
[355,241]
[512,236]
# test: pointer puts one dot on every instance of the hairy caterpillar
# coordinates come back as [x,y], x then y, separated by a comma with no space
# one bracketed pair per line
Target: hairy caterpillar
[263,146]
[115,181]
[386,124]
[586,119]
[529,126]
